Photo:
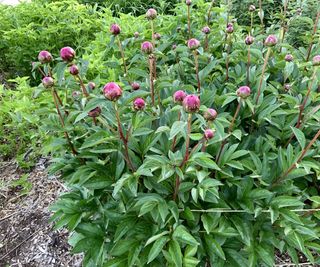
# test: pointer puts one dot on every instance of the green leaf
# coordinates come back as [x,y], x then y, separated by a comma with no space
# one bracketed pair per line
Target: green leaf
[182,235]
[155,237]
[156,248]
[175,253]
[300,137]
[214,246]
[177,127]
[96,139]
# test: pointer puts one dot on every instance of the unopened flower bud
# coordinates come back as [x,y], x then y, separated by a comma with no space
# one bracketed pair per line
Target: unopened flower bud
[151,14]
[47,82]
[44,57]
[147,47]
[211,114]
[287,87]
[288,58]
[74,70]
[179,96]
[249,40]
[91,85]
[243,91]
[208,134]
[157,36]
[193,44]
[76,95]
[191,103]
[188,2]
[174,47]
[139,104]
[206,30]
[115,29]
[271,40]
[229,28]
[252,8]
[67,54]
[316,60]
[136,35]
[135,86]
[112,91]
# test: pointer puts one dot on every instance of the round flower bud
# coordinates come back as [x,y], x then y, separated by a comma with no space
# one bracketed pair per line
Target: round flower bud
[67,54]
[76,95]
[243,91]
[287,87]
[288,58]
[191,103]
[193,44]
[44,57]
[47,82]
[174,47]
[91,85]
[135,86]
[252,8]
[229,28]
[206,30]
[136,35]
[271,40]
[74,70]
[211,114]
[115,29]
[179,96]
[139,104]
[112,91]
[151,14]
[188,2]
[249,40]
[316,60]
[157,36]
[208,134]
[147,47]
[94,112]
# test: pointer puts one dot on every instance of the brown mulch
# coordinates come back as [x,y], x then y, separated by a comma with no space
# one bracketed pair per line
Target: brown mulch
[26,237]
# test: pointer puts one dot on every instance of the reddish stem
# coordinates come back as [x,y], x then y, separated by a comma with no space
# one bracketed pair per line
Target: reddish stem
[94,121]
[248,66]
[206,42]
[196,62]
[152,32]
[312,36]
[151,70]
[189,24]
[227,58]
[83,87]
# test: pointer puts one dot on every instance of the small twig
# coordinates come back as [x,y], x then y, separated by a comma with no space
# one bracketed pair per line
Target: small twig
[312,36]
[7,217]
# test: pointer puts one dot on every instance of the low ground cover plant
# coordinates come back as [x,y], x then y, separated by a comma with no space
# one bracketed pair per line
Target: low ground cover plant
[185,141]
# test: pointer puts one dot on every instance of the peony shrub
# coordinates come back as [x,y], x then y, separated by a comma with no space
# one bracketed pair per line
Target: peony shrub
[171,164]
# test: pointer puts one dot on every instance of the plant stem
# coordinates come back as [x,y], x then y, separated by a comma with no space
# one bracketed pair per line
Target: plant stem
[262,74]
[83,87]
[227,57]
[151,70]
[248,66]
[189,23]
[204,145]
[175,138]
[206,42]
[260,15]
[283,24]
[152,32]
[123,138]
[94,121]
[302,107]
[294,165]
[42,72]
[251,25]
[185,159]
[224,142]
[73,150]
[312,36]
[122,55]
[196,63]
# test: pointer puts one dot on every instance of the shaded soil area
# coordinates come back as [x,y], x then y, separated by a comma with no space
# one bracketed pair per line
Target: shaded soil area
[27,237]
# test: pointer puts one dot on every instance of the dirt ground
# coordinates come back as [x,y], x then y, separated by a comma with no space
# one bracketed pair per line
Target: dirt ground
[26,236]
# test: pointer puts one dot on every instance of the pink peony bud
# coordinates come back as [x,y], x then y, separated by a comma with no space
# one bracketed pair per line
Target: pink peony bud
[174,47]
[193,44]
[288,58]
[211,114]
[94,112]
[91,85]
[249,40]
[271,40]
[243,91]
[208,134]
[179,96]
[67,54]
[47,82]
[136,35]
[44,57]
[188,2]
[252,8]
[76,95]
[229,28]
[287,87]
[157,36]
[206,30]
[74,70]
[135,86]
[147,47]
[139,104]
[191,103]
[151,14]
[112,91]
[115,29]
[316,60]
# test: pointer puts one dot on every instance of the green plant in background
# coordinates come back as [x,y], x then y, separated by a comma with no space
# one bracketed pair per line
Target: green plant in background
[170,164]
